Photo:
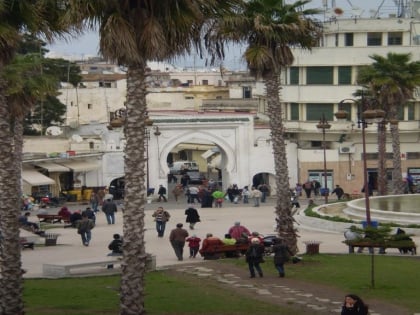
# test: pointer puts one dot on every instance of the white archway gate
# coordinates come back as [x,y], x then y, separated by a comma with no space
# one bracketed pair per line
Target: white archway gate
[232,134]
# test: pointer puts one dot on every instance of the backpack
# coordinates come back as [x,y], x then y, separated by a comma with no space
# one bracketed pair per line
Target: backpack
[253,252]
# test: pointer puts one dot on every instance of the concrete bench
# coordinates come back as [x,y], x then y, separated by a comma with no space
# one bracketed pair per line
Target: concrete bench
[64,269]
[216,251]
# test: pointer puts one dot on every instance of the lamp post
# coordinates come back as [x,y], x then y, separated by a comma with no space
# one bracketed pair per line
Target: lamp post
[146,144]
[323,125]
[365,116]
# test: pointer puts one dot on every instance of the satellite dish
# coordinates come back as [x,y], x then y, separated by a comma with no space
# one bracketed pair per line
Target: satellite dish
[338,11]
[53,131]
[77,138]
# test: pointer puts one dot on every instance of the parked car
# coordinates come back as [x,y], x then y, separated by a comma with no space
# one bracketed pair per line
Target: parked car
[196,177]
[179,167]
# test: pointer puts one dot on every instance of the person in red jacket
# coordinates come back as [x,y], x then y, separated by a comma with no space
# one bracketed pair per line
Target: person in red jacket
[193,244]
[238,230]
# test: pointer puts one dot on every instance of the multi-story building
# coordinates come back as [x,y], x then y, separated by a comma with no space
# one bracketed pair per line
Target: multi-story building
[217,117]
[319,79]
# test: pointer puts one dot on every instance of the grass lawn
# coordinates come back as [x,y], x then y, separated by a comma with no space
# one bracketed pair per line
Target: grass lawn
[164,295]
[394,276]
[395,281]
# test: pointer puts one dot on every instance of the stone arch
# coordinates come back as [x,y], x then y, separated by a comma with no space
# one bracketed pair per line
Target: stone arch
[225,148]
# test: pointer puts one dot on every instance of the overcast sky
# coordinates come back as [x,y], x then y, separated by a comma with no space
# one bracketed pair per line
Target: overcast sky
[87,45]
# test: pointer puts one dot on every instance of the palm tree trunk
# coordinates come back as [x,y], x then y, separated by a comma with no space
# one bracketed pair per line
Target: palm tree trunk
[382,179]
[134,257]
[285,219]
[11,284]
[397,180]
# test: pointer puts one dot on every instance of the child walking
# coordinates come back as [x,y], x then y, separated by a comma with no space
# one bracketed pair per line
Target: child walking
[194,245]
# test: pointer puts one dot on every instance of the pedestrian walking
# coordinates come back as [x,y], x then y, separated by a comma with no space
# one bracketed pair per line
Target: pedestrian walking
[94,201]
[84,228]
[177,191]
[90,214]
[255,195]
[282,255]
[162,193]
[177,239]
[254,256]
[161,217]
[194,245]
[192,216]
[109,207]
[264,191]
[354,305]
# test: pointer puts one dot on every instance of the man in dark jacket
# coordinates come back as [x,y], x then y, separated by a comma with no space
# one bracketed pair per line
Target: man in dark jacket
[116,246]
[254,256]
[109,208]
[162,193]
[177,239]
[338,191]
[282,255]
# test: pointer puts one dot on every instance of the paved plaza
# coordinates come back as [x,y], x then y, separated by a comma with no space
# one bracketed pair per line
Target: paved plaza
[215,220]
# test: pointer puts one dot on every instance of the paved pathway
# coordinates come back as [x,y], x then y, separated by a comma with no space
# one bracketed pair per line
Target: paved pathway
[214,220]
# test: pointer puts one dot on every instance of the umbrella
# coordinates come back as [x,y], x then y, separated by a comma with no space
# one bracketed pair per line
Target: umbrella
[217,194]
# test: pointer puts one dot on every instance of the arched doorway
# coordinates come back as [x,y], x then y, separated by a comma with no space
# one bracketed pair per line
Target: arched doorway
[116,188]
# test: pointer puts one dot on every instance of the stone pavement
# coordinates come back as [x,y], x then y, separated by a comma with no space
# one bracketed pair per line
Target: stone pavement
[214,220]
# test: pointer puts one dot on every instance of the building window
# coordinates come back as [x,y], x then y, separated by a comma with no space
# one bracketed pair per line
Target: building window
[246,92]
[315,111]
[336,40]
[294,111]
[374,39]
[89,106]
[410,111]
[189,97]
[205,82]
[348,39]
[104,84]
[319,75]
[218,97]
[395,39]
[294,75]
[344,75]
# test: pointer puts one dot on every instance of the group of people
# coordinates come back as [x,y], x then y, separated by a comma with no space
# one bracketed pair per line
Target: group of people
[211,196]
[314,186]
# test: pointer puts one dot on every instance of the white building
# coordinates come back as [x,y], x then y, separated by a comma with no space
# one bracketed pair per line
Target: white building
[195,111]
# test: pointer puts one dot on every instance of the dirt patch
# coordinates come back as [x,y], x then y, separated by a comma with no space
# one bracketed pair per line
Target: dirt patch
[288,292]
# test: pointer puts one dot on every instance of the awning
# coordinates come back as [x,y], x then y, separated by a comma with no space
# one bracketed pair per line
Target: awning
[34,178]
[207,154]
[80,166]
[210,152]
[52,167]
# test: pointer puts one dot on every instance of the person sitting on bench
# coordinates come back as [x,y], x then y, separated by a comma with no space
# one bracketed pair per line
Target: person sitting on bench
[28,225]
[116,246]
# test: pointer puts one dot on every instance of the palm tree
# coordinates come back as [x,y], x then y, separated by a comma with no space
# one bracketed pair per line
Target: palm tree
[393,79]
[132,33]
[270,28]
[40,17]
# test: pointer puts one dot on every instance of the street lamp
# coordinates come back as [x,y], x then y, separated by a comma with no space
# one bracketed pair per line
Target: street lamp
[365,116]
[146,144]
[323,125]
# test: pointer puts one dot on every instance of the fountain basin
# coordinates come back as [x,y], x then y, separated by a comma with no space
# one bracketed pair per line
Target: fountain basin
[399,209]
